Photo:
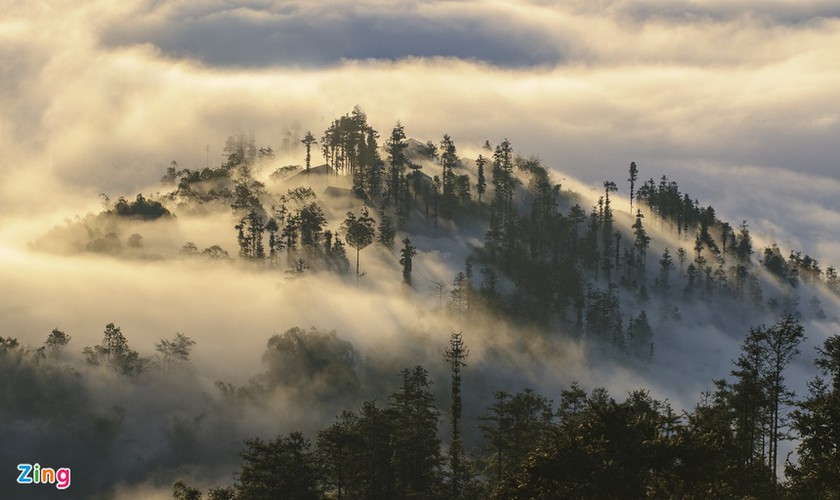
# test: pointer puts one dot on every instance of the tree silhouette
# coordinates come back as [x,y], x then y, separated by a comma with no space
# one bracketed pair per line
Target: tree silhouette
[337,450]
[607,236]
[817,420]
[416,452]
[387,231]
[449,161]
[455,354]
[513,426]
[778,345]
[308,141]
[641,242]
[407,252]
[395,146]
[359,232]
[281,468]
[481,185]
[176,350]
[114,352]
[56,340]
[634,176]
[183,491]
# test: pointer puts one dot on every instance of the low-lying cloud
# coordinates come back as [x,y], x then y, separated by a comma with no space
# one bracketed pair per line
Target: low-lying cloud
[96,101]
[734,100]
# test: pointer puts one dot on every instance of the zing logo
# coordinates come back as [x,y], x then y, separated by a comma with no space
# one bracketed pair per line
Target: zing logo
[34,474]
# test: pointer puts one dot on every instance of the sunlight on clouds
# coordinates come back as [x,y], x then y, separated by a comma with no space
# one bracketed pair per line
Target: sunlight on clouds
[630,85]
[736,101]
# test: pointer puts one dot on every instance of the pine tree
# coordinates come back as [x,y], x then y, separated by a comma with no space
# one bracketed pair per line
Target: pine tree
[603,316]
[832,279]
[727,237]
[607,230]
[512,427]
[337,255]
[747,402]
[641,243]
[779,345]
[250,232]
[435,195]
[338,450]
[308,141]
[454,355]
[640,335]
[758,399]
[430,151]
[501,232]
[743,249]
[397,161]
[387,231]
[449,161]
[359,232]
[816,474]
[416,446]
[349,147]
[681,257]
[373,472]
[375,168]
[272,227]
[666,265]
[406,255]
[417,179]
[281,468]
[634,176]
[311,222]
[460,294]
[481,185]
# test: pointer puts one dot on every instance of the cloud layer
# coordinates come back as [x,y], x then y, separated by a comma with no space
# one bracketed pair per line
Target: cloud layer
[734,100]
[99,98]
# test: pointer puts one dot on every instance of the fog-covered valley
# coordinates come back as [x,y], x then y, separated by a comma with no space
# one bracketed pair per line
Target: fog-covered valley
[145,149]
[181,260]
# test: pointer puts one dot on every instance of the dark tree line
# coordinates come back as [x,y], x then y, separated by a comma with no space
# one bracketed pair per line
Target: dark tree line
[583,445]
[297,235]
[581,268]
[350,146]
[561,258]
[293,233]
[537,235]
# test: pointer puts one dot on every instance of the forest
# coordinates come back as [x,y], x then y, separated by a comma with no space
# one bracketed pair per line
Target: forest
[538,267]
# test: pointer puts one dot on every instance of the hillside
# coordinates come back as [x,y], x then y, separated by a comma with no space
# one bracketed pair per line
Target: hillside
[476,312]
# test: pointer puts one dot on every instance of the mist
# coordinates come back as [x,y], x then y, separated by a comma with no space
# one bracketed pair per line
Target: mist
[97,100]
[88,111]
[162,426]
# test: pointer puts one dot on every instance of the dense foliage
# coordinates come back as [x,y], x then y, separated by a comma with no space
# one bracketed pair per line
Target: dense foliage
[541,259]
[584,445]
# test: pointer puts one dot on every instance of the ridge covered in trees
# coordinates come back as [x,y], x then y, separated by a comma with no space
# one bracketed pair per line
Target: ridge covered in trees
[617,275]
[581,444]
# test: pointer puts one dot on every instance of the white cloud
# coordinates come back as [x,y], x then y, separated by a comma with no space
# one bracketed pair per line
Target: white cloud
[726,85]
[734,100]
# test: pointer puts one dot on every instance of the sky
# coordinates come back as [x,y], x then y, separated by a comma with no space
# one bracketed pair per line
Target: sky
[735,100]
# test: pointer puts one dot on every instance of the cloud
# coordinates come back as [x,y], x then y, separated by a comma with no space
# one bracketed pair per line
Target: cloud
[101,98]
[259,34]
[248,34]
[776,11]
[734,100]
